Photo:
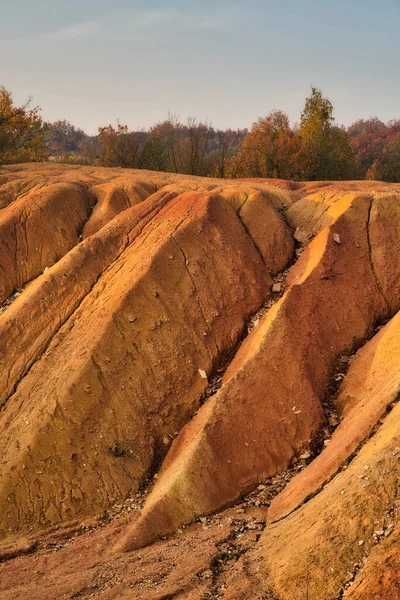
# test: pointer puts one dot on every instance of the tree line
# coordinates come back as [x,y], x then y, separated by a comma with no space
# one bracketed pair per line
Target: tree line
[316,148]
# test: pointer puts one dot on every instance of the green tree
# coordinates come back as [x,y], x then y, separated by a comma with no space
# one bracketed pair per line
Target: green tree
[153,154]
[326,152]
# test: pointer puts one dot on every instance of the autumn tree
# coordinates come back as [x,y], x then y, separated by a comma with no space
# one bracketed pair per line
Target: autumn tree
[271,149]
[368,138]
[89,151]
[21,131]
[121,147]
[180,148]
[64,138]
[387,166]
[224,147]
[194,146]
[167,146]
[326,152]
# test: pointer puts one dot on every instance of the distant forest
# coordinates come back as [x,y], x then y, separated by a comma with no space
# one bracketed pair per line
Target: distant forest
[314,149]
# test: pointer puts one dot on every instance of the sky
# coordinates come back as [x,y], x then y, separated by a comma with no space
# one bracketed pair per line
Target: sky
[93,62]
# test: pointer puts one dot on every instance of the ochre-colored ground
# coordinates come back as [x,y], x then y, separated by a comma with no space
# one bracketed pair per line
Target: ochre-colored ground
[200,385]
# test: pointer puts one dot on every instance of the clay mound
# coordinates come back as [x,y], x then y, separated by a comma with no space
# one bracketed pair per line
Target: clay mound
[263,415]
[129,325]
[37,229]
[180,350]
[371,387]
[113,198]
[340,527]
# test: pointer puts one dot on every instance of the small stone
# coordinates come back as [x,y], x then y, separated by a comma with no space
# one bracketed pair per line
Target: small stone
[203,374]
[360,543]
[203,520]
[305,455]
[336,238]
[277,288]
[300,236]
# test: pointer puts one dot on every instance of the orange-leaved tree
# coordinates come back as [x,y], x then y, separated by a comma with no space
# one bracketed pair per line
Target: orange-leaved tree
[368,138]
[121,147]
[22,131]
[270,149]
[387,166]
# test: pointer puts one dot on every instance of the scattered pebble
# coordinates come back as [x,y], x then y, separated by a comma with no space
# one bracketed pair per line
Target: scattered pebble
[277,288]
[203,374]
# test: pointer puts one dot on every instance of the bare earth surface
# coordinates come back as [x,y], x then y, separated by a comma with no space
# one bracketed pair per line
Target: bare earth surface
[200,386]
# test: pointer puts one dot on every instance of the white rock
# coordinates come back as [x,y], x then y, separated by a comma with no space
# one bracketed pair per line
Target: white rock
[203,374]
[305,455]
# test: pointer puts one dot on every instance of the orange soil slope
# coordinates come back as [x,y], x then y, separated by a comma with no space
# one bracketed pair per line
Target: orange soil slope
[152,338]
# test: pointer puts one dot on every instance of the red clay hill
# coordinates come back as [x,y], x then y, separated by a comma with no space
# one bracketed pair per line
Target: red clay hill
[200,385]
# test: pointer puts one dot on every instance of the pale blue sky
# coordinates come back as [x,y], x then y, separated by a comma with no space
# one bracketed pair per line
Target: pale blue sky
[93,61]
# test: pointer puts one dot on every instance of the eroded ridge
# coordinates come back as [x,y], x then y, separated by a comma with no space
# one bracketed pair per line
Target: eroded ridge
[181,350]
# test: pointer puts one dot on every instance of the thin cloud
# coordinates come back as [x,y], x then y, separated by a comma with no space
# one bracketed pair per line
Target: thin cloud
[78,30]
[142,22]
[178,20]
[70,33]
[133,25]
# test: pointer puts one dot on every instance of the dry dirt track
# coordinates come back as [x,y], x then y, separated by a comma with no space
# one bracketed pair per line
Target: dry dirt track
[171,346]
